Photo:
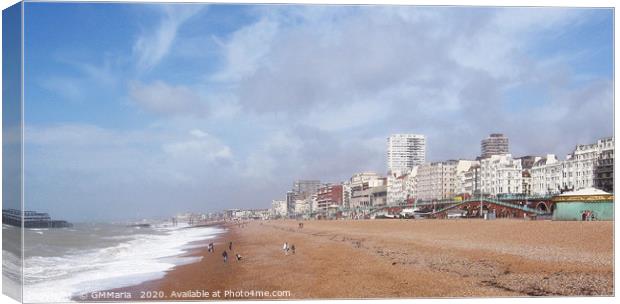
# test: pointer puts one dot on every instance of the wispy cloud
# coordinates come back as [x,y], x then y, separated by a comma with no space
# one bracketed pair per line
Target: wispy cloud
[161,98]
[151,47]
[246,48]
[68,88]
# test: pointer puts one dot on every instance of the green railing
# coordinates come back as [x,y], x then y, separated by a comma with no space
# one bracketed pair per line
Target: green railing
[496,202]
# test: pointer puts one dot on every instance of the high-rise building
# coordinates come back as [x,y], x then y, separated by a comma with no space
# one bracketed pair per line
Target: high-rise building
[305,188]
[495,144]
[302,189]
[405,151]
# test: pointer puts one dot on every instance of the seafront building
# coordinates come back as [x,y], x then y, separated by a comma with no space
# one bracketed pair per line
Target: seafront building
[401,188]
[589,165]
[362,190]
[305,188]
[404,151]
[604,167]
[303,207]
[495,144]
[278,209]
[354,190]
[302,189]
[470,180]
[547,175]
[442,180]
[329,195]
[500,174]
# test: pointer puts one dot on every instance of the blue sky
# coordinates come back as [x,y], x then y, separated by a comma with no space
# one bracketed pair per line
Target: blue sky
[196,107]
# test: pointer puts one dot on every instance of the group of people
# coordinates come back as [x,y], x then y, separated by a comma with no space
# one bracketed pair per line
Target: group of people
[286,248]
[211,248]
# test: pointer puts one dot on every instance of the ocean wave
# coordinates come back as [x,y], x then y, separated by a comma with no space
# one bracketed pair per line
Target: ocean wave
[143,257]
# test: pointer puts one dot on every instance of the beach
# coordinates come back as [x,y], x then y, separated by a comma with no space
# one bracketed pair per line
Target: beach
[391,259]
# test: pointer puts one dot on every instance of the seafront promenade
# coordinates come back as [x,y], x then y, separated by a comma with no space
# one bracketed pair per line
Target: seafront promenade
[398,259]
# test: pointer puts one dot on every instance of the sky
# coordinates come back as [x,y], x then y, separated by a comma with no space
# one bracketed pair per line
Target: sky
[137,111]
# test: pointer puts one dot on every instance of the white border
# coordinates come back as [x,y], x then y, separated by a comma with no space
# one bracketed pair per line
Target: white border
[557,3]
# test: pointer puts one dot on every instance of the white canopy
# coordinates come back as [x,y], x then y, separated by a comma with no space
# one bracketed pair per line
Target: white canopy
[585,191]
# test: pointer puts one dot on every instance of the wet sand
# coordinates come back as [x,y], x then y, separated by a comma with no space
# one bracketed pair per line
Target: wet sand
[396,259]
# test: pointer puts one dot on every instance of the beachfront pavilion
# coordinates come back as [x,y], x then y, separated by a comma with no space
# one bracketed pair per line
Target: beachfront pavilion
[584,205]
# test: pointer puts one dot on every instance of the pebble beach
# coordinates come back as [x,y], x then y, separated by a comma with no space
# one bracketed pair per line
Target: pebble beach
[394,259]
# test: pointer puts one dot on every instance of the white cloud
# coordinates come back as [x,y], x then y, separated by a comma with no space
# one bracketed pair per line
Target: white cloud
[245,50]
[206,148]
[161,98]
[198,133]
[368,71]
[150,48]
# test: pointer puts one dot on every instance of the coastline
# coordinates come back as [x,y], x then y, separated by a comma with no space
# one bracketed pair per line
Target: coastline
[375,259]
[174,274]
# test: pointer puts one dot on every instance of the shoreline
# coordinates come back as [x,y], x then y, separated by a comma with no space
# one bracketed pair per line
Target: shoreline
[134,291]
[393,259]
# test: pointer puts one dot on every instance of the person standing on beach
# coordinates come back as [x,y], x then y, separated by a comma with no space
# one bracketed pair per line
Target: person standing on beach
[230,246]
[285,248]
[225,255]
[293,248]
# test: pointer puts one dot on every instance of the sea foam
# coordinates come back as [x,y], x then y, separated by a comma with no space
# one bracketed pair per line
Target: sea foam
[143,257]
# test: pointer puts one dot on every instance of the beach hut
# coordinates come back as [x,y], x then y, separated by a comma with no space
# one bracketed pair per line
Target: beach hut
[584,205]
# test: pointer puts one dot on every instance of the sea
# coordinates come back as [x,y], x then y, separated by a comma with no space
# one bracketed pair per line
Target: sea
[60,263]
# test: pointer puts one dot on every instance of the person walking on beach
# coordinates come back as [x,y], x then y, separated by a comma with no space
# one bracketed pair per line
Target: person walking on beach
[239,257]
[285,248]
[225,255]
[230,246]
[293,248]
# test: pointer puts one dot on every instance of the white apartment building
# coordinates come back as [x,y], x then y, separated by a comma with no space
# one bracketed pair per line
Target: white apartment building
[359,188]
[465,176]
[401,187]
[303,206]
[470,179]
[500,174]
[278,208]
[577,171]
[547,175]
[346,194]
[404,151]
[430,181]
[442,180]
